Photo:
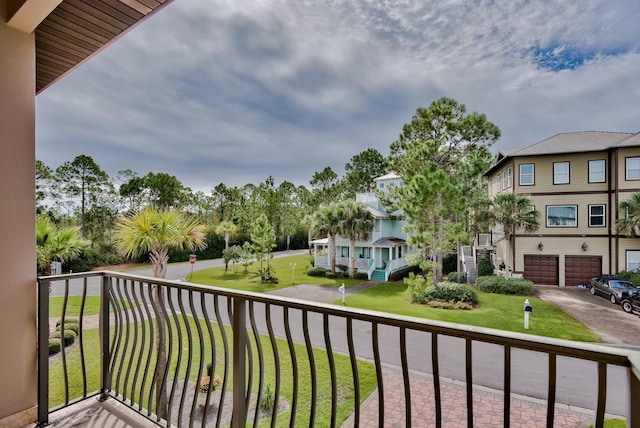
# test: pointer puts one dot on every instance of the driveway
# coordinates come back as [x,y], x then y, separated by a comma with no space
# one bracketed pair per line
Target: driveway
[609,321]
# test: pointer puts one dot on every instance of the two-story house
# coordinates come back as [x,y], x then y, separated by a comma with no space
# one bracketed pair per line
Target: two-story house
[384,248]
[576,182]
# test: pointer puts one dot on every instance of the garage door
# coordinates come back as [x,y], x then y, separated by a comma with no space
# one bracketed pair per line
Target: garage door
[579,269]
[541,269]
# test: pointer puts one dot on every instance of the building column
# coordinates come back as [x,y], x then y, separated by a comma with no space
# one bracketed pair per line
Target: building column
[18,377]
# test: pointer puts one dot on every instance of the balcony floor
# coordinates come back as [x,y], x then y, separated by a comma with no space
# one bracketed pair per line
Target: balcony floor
[488,408]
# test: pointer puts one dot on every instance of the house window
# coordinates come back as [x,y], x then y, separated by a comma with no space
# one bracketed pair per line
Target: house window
[526,174]
[499,183]
[344,251]
[381,185]
[562,216]
[633,260]
[596,216]
[561,173]
[509,177]
[633,168]
[399,252]
[504,180]
[490,187]
[596,171]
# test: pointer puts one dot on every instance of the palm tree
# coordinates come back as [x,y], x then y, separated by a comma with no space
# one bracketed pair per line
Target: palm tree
[513,211]
[155,231]
[327,221]
[355,221]
[56,244]
[228,228]
[630,223]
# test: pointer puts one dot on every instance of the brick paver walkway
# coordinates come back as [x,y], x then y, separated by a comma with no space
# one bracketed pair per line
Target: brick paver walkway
[488,406]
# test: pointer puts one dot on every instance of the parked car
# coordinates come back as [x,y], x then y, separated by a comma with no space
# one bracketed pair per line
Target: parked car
[611,287]
[630,301]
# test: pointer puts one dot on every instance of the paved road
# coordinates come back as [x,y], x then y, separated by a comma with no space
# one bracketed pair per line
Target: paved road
[577,380]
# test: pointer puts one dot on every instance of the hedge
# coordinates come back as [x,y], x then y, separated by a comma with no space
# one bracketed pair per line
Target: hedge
[447,292]
[501,285]
[453,277]
[54,346]
[404,273]
[362,275]
[317,271]
[69,336]
[485,268]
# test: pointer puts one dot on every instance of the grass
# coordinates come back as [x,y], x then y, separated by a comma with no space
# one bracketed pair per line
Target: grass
[91,306]
[613,423]
[124,381]
[237,279]
[494,311]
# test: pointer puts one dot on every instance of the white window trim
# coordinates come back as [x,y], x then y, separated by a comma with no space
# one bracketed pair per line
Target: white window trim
[556,173]
[509,177]
[604,171]
[604,215]
[626,168]
[533,174]
[635,262]
[561,225]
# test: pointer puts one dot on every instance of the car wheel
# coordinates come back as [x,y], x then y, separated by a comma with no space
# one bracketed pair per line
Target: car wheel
[613,299]
[593,290]
[627,306]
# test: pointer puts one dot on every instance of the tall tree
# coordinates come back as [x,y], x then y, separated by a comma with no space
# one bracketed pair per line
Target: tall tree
[325,186]
[54,243]
[438,141]
[362,169]
[630,223]
[82,177]
[165,191]
[327,221]
[134,192]
[44,181]
[512,212]
[154,232]
[355,222]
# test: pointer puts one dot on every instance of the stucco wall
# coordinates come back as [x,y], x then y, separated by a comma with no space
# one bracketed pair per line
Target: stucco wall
[17,225]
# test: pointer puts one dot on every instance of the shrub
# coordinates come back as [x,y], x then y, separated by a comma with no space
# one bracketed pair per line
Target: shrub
[343,269]
[266,401]
[501,285]
[54,346]
[453,277]
[448,292]
[71,326]
[317,271]
[450,262]
[330,275]
[631,275]
[485,268]
[69,336]
[404,273]
[67,322]
[362,275]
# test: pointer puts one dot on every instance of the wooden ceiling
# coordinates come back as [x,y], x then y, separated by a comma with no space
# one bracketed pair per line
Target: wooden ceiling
[77,29]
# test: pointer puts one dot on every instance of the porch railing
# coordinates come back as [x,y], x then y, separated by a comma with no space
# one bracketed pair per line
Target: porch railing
[150,345]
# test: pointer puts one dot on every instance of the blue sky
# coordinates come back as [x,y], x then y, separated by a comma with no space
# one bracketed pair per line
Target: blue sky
[235,91]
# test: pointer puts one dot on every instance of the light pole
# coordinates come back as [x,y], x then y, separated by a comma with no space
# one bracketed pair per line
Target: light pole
[293,269]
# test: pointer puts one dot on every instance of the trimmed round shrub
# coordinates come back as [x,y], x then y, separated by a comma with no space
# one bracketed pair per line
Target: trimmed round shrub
[73,327]
[362,275]
[453,277]
[501,285]
[54,346]
[69,336]
[330,275]
[317,271]
[447,292]
[485,268]
[67,321]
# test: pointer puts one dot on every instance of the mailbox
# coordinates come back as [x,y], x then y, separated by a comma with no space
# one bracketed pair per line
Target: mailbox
[527,306]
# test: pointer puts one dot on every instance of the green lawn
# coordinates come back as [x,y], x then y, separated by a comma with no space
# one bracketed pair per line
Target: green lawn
[91,306]
[121,378]
[494,311]
[237,279]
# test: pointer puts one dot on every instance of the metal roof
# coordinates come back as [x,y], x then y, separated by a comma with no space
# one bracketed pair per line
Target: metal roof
[571,142]
[377,213]
[389,241]
[388,176]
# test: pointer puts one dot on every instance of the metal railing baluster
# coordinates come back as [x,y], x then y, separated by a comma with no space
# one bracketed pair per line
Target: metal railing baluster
[239,419]
[354,371]
[312,367]
[435,369]
[602,395]
[256,338]
[376,358]
[551,394]
[507,387]
[294,367]
[405,376]
[469,380]
[276,363]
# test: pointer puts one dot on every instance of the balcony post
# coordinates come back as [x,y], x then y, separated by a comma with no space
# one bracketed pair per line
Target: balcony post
[43,352]
[105,376]
[239,325]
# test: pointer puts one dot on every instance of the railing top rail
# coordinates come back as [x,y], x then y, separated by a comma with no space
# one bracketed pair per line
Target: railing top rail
[588,351]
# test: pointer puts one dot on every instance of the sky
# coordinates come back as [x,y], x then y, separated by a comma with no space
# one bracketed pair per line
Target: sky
[236,91]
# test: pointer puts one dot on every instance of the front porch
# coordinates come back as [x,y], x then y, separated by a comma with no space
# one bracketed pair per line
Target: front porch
[431,373]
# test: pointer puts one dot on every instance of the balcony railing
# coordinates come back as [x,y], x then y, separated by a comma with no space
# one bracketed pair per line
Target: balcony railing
[152,340]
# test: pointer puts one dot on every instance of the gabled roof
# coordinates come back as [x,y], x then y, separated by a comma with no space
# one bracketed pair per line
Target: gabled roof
[377,213]
[389,241]
[571,142]
[388,176]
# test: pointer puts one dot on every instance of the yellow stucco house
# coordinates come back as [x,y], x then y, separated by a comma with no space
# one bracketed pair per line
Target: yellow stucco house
[576,182]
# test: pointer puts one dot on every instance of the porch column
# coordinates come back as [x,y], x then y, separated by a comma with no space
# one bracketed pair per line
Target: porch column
[18,377]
